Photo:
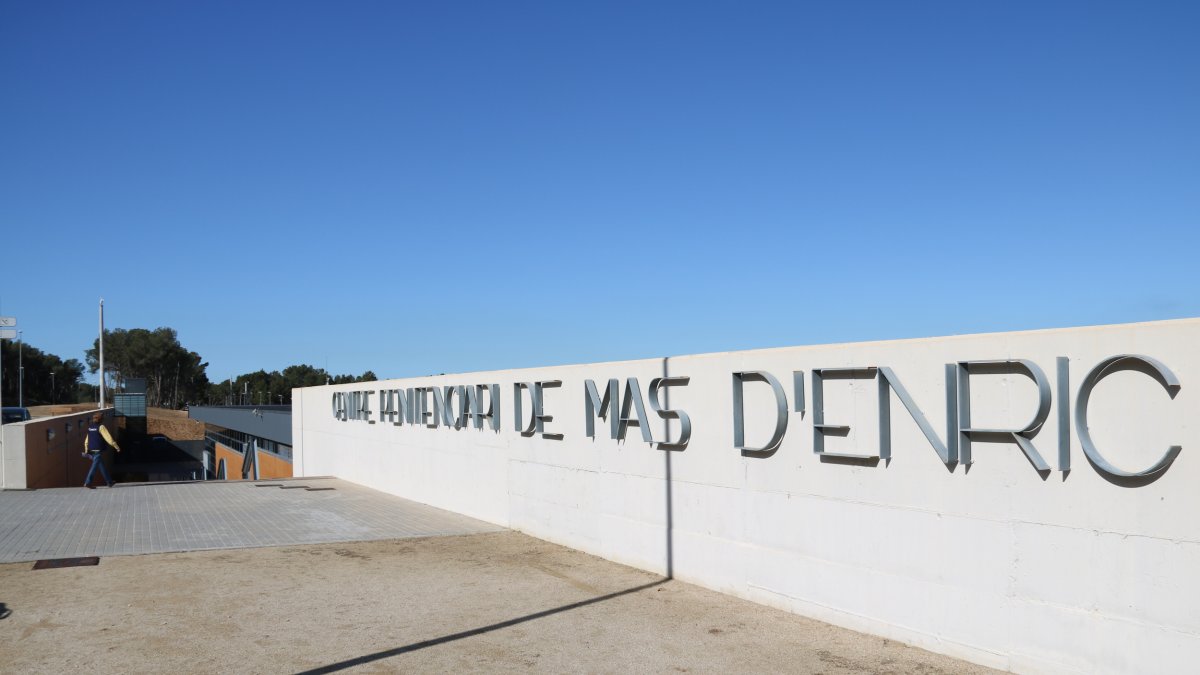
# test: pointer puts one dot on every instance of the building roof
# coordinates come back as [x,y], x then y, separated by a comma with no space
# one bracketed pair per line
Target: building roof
[272,422]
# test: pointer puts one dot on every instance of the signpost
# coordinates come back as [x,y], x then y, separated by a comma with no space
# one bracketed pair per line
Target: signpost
[8,331]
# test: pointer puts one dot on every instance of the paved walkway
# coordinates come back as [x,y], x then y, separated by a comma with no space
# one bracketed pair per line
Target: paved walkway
[135,518]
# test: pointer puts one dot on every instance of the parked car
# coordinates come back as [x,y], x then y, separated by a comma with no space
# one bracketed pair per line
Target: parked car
[14,414]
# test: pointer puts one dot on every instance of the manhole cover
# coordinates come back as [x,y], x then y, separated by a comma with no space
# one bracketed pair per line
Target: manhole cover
[65,562]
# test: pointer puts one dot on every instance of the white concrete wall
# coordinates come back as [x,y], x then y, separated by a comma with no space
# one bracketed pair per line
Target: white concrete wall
[12,456]
[1070,573]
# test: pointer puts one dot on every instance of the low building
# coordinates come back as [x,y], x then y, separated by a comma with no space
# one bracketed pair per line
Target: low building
[246,442]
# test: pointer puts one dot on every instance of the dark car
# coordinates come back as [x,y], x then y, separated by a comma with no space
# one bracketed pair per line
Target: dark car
[15,414]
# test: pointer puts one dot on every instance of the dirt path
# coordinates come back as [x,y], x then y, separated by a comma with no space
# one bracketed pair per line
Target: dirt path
[491,602]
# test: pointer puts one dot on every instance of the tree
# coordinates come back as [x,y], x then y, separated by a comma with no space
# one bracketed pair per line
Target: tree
[263,388]
[48,379]
[349,379]
[173,374]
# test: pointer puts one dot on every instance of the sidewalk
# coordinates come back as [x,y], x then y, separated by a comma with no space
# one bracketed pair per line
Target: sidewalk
[134,518]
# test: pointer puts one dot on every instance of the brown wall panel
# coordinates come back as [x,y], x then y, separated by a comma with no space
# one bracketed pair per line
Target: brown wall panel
[233,462]
[273,466]
[58,462]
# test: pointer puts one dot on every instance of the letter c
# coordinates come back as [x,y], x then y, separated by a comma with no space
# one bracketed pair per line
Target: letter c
[1144,364]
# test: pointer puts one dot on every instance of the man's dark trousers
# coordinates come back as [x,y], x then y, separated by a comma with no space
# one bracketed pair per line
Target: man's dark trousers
[103,472]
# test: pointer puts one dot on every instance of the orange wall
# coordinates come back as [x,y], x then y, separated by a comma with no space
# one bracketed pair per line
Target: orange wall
[269,466]
[233,461]
[273,466]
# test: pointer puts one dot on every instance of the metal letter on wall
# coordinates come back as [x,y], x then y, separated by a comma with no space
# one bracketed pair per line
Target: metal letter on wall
[455,412]
[387,405]
[519,409]
[1143,364]
[685,422]
[1019,436]
[1064,413]
[633,400]
[948,451]
[475,405]
[538,417]
[606,407]
[423,412]
[411,406]
[798,391]
[821,429]
[539,410]
[739,422]
[339,406]
[365,410]
[439,406]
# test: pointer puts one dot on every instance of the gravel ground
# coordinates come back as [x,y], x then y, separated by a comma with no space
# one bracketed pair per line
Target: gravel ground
[498,602]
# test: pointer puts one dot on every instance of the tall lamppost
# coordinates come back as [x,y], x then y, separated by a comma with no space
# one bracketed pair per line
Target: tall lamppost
[53,398]
[20,373]
[102,353]
[8,331]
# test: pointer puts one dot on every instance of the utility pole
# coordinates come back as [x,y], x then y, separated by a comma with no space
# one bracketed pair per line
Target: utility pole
[102,353]
[7,332]
[20,372]
[53,397]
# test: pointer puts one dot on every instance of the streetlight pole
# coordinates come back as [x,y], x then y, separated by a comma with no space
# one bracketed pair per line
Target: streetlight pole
[102,353]
[53,398]
[7,332]
[20,373]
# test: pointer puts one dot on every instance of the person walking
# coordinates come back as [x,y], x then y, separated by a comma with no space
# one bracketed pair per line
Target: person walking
[93,445]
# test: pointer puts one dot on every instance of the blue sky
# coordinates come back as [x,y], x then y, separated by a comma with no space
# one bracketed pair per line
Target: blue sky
[416,188]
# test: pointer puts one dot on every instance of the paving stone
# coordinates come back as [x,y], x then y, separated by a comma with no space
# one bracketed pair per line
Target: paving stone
[135,518]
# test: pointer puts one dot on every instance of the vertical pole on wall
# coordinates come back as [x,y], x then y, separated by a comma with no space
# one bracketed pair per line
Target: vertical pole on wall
[666,370]
[20,371]
[101,353]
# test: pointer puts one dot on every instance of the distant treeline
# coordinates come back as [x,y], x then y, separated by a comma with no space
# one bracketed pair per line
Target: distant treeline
[275,387]
[175,376]
[48,378]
